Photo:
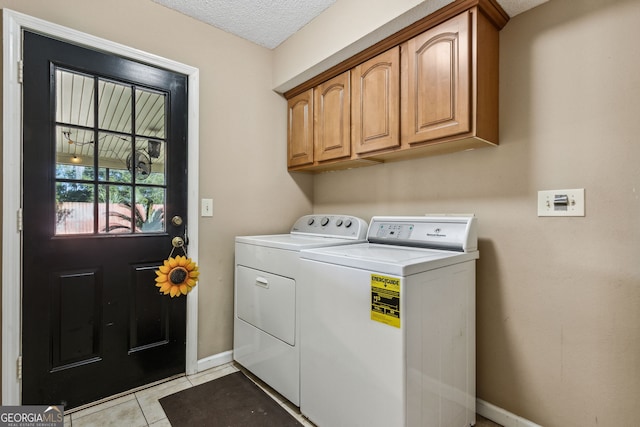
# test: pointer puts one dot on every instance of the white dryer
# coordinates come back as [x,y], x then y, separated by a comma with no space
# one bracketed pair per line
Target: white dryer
[266,338]
[389,326]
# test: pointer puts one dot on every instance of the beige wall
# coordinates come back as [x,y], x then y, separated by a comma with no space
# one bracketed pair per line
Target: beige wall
[558,318]
[558,309]
[242,134]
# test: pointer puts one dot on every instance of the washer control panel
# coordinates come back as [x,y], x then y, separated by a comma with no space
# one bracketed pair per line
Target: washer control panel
[457,233]
[343,226]
[394,231]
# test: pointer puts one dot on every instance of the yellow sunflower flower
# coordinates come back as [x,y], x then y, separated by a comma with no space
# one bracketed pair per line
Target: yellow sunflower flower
[177,276]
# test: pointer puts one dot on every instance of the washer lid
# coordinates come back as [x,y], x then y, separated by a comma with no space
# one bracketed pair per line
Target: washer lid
[389,259]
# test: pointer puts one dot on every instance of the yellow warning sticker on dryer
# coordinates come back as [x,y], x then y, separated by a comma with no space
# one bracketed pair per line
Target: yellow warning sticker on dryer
[385,299]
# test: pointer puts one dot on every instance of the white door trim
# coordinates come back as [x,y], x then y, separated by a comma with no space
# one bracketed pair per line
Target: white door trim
[12,25]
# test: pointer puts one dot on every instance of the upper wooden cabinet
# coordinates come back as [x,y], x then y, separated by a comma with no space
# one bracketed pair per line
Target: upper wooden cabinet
[375,103]
[449,89]
[354,113]
[432,89]
[332,120]
[436,82]
[300,130]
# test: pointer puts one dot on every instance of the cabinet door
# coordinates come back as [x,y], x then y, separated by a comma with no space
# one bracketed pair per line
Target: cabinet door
[375,103]
[436,85]
[300,129]
[332,127]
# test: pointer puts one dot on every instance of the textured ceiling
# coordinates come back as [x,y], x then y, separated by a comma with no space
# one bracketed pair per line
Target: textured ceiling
[515,7]
[270,22]
[264,22]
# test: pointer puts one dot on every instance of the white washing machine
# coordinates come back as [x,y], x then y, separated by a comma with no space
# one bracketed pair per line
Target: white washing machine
[389,326]
[266,338]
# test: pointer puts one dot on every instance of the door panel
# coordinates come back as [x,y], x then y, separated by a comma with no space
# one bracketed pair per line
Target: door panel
[149,319]
[104,165]
[76,302]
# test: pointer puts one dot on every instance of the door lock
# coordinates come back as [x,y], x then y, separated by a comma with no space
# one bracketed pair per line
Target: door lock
[177,242]
[176,220]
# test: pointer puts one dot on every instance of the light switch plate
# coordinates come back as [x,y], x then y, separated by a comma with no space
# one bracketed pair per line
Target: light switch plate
[561,202]
[206,207]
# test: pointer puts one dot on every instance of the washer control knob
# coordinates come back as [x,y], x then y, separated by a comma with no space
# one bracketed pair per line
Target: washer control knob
[311,221]
[338,223]
[324,221]
[348,223]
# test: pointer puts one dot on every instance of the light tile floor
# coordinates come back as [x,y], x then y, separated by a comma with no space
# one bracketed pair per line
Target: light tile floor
[142,408]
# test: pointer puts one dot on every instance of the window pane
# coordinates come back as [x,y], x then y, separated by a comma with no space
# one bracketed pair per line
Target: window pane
[114,209]
[150,208]
[113,151]
[150,161]
[74,153]
[150,112]
[74,208]
[74,98]
[114,106]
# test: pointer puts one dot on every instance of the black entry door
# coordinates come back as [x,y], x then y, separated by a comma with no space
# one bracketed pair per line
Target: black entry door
[104,171]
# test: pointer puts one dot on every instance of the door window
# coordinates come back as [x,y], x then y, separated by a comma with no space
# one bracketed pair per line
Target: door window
[110,174]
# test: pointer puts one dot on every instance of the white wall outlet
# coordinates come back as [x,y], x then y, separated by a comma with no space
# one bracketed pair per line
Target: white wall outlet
[561,202]
[206,207]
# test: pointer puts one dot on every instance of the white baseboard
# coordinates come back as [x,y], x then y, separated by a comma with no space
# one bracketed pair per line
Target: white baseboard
[215,360]
[501,416]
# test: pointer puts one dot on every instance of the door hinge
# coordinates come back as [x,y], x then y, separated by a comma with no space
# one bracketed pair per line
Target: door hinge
[19,367]
[20,71]
[19,218]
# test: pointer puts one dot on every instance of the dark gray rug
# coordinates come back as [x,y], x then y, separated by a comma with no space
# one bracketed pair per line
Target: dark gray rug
[229,401]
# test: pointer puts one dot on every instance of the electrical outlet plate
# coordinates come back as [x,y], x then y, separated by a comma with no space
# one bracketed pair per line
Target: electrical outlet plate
[561,202]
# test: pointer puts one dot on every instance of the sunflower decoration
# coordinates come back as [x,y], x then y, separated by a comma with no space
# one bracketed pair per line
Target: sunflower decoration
[177,276]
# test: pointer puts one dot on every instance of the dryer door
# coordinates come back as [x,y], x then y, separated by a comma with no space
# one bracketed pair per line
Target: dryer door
[267,301]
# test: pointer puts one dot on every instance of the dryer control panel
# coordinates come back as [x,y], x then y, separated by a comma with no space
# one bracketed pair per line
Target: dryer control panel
[343,226]
[456,233]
